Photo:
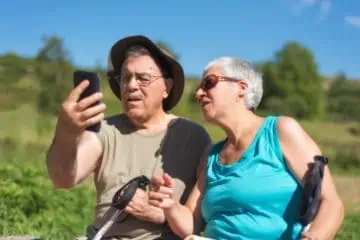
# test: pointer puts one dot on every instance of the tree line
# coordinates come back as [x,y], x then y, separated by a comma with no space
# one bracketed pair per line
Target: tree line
[292,82]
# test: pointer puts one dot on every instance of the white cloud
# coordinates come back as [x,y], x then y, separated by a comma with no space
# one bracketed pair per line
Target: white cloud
[353,20]
[300,6]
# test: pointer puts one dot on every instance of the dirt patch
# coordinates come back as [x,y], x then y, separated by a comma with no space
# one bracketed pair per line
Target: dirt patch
[348,188]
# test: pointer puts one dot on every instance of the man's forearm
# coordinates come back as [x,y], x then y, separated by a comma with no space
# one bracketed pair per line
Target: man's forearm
[61,159]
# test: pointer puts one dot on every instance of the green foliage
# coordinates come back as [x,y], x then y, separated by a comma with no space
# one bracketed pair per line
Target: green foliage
[54,72]
[193,86]
[30,205]
[348,158]
[56,83]
[12,97]
[344,99]
[53,50]
[350,229]
[13,67]
[292,78]
[294,105]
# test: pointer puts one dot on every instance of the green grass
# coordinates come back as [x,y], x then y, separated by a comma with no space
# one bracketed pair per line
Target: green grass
[30,205]
[350,229]
[332,136]
[26,126]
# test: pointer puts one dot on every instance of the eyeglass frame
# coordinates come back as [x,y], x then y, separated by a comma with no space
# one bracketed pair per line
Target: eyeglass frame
[218,79]
[153,78]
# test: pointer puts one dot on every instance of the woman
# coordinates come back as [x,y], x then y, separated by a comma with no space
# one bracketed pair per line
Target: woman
[251,186]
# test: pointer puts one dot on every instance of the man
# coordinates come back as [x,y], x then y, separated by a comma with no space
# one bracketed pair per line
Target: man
[144,140]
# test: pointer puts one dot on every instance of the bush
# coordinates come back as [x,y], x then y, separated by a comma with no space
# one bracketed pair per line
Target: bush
[348,158]
[350,229]
[30,205]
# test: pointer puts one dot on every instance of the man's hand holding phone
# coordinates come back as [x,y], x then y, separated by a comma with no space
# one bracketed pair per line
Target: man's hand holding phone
[77,114]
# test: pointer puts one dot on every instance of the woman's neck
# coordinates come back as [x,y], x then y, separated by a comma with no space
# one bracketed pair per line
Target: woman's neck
[239,127]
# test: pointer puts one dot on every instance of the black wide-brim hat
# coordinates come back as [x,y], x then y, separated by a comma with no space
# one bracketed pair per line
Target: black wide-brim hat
[166,60]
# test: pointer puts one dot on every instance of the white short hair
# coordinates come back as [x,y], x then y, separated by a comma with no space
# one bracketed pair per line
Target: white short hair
[238,69]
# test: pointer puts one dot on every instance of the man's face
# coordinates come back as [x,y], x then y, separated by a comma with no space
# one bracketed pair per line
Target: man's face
[143,88]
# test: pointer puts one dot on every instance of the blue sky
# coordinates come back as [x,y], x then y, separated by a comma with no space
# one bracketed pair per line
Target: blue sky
[198,31]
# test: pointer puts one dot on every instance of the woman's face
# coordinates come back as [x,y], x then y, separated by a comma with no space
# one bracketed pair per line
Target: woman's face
[217,94]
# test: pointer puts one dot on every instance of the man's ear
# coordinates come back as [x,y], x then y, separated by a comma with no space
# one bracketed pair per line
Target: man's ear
[168,84]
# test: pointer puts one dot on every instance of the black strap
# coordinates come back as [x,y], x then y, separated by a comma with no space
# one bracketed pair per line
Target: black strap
[121,199]
[124,195]
[311,196]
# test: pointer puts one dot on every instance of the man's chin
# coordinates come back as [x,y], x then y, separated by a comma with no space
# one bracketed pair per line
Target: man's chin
[135,114]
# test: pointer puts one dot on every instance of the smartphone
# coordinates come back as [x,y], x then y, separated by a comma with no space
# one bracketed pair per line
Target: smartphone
[93,87]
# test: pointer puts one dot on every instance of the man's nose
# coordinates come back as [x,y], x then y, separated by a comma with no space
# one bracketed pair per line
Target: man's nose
[133,84]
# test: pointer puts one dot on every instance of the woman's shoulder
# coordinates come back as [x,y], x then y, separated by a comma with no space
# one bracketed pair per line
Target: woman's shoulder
[290,130]
[287,125]
[282,121]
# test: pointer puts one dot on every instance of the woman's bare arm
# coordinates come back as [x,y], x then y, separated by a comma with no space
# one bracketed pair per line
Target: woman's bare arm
[299,150]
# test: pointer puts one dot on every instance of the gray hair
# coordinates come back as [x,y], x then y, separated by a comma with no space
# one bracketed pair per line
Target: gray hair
[138,50]
[238,69]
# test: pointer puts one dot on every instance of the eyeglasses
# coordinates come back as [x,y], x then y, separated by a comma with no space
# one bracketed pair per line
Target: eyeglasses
[211,81]
[143,79]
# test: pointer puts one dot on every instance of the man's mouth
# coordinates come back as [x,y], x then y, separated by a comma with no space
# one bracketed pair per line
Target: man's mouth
[133,99]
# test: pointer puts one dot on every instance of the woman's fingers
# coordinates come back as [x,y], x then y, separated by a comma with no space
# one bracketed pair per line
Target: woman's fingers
[168,180]
[159,195]
[156,182]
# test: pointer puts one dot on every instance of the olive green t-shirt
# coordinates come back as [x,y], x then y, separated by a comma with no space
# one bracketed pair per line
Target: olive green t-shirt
[178,151]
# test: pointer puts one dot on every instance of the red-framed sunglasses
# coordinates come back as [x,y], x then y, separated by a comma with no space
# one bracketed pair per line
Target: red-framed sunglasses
[212,80]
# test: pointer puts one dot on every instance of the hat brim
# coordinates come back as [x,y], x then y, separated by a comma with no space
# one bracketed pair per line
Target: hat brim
[117,58]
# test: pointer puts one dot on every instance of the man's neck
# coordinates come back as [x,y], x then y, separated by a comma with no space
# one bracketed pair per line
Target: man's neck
[153,125]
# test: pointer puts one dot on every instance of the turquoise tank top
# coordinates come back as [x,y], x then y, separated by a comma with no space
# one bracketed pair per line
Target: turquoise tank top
[257,197]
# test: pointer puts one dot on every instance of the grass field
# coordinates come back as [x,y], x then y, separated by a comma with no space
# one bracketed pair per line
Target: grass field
[25,135]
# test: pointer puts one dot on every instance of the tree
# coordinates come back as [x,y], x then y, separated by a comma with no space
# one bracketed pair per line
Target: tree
[339,86]
[54,72]
[293,78]
[12,68]
[343,99]
[53,50]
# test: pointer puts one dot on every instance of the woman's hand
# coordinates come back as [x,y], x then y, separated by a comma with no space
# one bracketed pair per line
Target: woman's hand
[180,218]
[162,192]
